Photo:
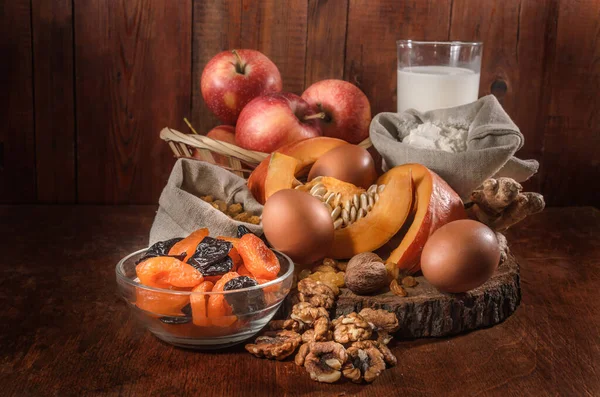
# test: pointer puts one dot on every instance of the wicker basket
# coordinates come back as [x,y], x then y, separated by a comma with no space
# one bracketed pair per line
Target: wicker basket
[240,161]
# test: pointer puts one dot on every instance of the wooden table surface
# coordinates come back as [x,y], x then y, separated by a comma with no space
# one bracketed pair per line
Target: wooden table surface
[64,331]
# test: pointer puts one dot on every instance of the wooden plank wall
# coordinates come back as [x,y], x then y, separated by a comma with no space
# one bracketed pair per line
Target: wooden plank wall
[88,84]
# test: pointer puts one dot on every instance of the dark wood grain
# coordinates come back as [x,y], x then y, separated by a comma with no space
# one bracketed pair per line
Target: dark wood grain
[216,28]
[326,40]
[17,134]
[514,37]
[54,102]
[279,31]
[133,64]
[64,330]
[373,28]
[572,124]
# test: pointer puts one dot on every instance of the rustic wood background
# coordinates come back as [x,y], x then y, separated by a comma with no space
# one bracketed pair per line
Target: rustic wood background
[87,85]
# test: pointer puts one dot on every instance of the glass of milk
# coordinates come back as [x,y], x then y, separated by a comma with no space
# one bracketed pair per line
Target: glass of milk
[437,74]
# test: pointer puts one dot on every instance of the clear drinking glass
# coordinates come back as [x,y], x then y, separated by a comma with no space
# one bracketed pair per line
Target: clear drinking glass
[437,74]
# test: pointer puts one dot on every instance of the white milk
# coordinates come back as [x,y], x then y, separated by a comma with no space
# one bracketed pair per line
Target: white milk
[433,87]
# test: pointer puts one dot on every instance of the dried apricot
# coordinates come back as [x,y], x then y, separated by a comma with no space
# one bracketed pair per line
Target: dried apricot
[199,303]
[258,258]
[219,311]
[236,258]
[188,245]
[160,303]
[243,271]
[167,272]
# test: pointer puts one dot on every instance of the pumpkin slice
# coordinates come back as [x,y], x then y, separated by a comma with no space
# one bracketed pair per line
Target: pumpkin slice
[436,204]
[380,223]
[306,152]
[280,174]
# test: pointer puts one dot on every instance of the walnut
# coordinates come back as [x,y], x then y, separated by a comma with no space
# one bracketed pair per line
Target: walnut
[382,320]
[316,293]
[289,324]
[364,362]
[307,314]
[302,353]
[275,345]
[388,356]
[366,273]
[324,361]
[321,331]
[350,328]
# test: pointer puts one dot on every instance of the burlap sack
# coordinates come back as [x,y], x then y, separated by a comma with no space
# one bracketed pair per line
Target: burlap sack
[181,211]
[492,141]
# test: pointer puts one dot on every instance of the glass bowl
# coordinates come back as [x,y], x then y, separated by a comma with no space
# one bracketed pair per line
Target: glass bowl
[168,315]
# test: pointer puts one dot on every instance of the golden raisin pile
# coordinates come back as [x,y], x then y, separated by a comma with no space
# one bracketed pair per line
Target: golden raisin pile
[235,211]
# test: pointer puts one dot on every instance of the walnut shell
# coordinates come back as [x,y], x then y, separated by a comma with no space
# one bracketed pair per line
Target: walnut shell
[366,274]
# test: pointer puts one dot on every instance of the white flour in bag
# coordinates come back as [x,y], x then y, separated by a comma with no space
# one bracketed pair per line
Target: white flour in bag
[437,136]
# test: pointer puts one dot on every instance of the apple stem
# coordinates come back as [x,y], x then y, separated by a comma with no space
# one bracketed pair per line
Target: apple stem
[240,67]
[321,115]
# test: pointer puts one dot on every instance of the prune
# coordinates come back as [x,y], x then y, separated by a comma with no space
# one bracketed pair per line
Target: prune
[210,250]
[213,269]
[176,320]
[187,310]
[242,230]
[161,249]
[239,283]
[211,257]
[242,303]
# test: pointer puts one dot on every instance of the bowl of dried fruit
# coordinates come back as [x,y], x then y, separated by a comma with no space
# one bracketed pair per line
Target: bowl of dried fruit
[201,292]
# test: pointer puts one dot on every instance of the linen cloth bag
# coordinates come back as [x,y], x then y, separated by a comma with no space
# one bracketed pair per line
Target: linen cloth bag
[181,210]
[492,141]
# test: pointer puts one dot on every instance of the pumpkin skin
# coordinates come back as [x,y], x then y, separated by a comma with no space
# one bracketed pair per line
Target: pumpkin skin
[306,152]
[381,223]
[280,174]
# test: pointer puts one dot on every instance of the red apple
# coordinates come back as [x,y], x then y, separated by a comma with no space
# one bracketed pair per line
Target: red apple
[271,121]
[224,133]
[345,109]
[233,78]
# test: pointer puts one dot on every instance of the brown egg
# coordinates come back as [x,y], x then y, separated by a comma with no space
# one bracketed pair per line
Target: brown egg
[349,163]
[460,256]
[298,225]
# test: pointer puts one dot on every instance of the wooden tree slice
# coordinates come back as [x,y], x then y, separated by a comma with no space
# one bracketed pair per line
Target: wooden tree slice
[429,312]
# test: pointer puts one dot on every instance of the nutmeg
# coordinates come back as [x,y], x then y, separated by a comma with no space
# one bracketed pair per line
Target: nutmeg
[366,274]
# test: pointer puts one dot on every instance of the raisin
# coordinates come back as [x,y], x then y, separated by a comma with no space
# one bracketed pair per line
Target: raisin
[161,249]
[244,302]
[242,230]
[176,320]
[211,257]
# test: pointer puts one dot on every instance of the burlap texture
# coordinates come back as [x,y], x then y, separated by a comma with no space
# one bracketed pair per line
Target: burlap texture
[181,211]
[492,141]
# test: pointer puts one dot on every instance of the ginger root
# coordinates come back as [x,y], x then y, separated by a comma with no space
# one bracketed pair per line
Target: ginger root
[500,203]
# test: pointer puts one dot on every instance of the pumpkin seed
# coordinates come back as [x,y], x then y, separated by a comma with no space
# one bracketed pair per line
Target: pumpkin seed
[345,217]
[372,189]
[380,188]
[353,213]
[298,187]
[330,197]
[336,212]
[356,201]
[361,214]
[338,223]
[319,192]
[338,198]
[363,201]
[314,189]
[376,197]
[347,205]
[371,202]
[329,209]
[317,179]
